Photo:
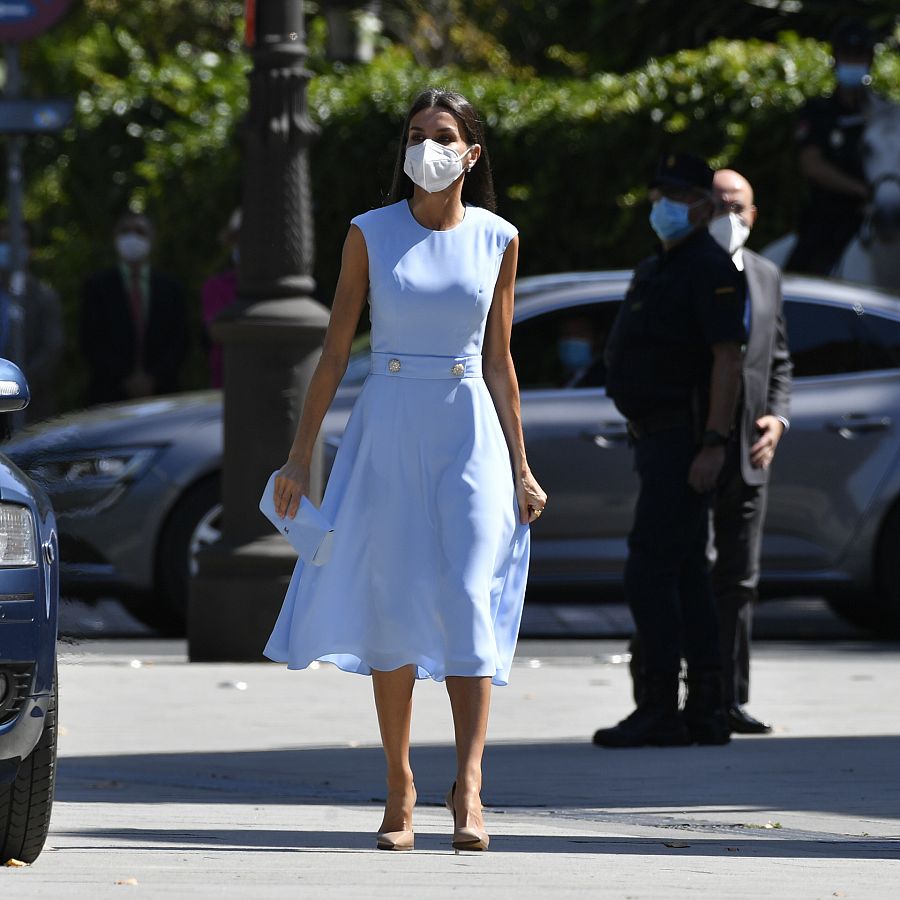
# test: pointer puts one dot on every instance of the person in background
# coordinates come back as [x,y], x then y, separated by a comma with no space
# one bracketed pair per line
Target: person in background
[673,363]
[828,136]
[41,335]
[133,329]
[739,507]
[218,292]
[576,346]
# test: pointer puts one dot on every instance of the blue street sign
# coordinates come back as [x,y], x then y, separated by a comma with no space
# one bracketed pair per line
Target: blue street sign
[34,116]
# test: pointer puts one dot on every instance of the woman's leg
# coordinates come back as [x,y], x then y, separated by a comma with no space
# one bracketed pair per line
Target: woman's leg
[470,699]
[393,701]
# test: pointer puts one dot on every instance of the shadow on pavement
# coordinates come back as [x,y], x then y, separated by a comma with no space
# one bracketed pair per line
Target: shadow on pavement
[852,776]
[266,840]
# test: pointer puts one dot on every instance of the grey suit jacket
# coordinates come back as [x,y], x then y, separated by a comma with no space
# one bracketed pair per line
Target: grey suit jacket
[768,369]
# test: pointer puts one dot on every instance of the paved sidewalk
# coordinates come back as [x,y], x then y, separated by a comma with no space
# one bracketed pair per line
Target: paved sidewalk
[227,781]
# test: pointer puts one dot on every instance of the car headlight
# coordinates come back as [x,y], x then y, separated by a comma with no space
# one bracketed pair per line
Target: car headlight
[100,467]
[17,545]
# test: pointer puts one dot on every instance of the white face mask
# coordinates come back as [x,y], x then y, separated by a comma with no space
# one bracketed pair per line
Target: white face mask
[132,247]
[432,166]
[729,232]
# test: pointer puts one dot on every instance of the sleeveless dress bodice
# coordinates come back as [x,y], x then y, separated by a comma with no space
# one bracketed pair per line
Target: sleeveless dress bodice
[430,291]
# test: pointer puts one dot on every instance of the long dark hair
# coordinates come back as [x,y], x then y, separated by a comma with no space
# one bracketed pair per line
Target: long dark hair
[478,185]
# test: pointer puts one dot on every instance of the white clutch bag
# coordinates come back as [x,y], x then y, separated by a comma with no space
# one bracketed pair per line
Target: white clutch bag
[309,532]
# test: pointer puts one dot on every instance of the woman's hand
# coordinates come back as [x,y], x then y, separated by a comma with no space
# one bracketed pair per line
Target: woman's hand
[531,497]
[291,484]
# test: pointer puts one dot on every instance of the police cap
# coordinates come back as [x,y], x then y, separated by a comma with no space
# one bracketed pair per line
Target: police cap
[852,36]
[682,170]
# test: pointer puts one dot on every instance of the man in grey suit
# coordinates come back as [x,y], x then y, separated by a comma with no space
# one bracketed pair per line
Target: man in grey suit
[741,493]
[762,417]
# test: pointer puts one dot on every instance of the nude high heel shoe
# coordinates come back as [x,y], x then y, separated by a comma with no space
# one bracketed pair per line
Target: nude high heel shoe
[396,840]
[465,838]
[404,839]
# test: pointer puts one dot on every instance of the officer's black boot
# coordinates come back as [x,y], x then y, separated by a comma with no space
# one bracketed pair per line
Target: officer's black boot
[704,709]
[656,722]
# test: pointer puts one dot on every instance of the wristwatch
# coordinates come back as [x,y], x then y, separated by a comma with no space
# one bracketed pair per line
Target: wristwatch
[713,439]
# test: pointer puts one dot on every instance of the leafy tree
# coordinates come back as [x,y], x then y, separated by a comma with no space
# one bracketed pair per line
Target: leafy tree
[160,89]
[578,37]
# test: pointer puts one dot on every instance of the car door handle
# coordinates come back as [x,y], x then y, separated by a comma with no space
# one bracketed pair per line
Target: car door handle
[611,434]
[852,425]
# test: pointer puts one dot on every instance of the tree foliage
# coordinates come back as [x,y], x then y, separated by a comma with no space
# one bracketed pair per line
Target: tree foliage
[160,88]
[558,37]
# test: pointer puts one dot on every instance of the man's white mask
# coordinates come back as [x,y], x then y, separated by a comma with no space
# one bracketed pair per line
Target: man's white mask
[729,232]
[131,247]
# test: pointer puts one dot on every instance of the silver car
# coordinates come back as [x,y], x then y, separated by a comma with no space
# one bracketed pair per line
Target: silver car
[134,484]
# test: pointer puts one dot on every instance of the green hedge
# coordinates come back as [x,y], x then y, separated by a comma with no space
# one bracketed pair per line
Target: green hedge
[570,157]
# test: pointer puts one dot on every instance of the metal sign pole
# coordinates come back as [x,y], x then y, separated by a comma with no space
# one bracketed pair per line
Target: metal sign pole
[22,21]
[15,331]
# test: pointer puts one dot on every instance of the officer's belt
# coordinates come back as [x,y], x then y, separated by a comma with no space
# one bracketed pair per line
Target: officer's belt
[662,421]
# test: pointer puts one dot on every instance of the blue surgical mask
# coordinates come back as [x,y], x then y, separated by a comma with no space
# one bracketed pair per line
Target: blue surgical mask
[575,353]
[5,255]
[851,75]
[671,219]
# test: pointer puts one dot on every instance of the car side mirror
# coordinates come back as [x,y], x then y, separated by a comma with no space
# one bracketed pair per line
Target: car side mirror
[14,393]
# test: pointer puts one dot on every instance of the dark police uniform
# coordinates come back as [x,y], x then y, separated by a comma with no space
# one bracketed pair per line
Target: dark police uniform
[829,220]
[659,362]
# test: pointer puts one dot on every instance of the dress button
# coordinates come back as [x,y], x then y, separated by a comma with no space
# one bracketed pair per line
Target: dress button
[394,365]
[458,369]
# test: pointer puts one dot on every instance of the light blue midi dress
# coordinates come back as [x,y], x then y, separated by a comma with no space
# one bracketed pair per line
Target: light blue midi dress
[429,560]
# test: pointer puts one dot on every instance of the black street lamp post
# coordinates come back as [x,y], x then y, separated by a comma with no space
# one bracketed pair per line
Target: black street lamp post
[272,339]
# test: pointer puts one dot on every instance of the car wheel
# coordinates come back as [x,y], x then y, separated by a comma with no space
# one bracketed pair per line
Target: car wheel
[879,612]
[26,803]
[194,523]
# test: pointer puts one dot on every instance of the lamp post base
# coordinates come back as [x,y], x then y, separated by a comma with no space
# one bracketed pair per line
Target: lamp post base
[271,351]
[236,597]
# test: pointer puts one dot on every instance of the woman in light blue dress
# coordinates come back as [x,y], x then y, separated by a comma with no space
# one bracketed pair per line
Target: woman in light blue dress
[430,494]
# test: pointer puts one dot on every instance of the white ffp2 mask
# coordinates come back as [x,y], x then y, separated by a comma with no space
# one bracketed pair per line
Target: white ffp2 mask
[729,232]
[132,247]
[433,167]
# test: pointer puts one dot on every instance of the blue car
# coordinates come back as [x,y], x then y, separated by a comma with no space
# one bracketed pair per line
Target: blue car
[29,602]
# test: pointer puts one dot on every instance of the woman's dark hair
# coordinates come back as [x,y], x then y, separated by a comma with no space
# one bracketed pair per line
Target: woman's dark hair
[478,185]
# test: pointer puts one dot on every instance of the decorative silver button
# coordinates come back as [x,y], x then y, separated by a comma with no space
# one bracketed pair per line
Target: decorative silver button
[394,365]
[458,369]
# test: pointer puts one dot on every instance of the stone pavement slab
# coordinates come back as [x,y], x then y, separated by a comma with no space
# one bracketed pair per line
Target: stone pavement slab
[249,781]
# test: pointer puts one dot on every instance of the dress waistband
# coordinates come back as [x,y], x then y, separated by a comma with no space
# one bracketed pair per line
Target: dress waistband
[408,365]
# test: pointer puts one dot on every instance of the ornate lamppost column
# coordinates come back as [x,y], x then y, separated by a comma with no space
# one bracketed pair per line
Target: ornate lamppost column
[272,338]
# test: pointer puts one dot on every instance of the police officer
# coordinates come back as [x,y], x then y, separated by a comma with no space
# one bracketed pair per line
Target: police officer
[674,370]
[828,136]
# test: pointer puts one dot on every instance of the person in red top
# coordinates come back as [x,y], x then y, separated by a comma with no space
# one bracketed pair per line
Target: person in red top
[218,292]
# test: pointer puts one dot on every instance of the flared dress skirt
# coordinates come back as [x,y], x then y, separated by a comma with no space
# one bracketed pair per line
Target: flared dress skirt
[429,561]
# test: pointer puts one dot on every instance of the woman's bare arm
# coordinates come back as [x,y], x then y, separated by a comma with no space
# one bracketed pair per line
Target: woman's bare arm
[349,298]
[500,378]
